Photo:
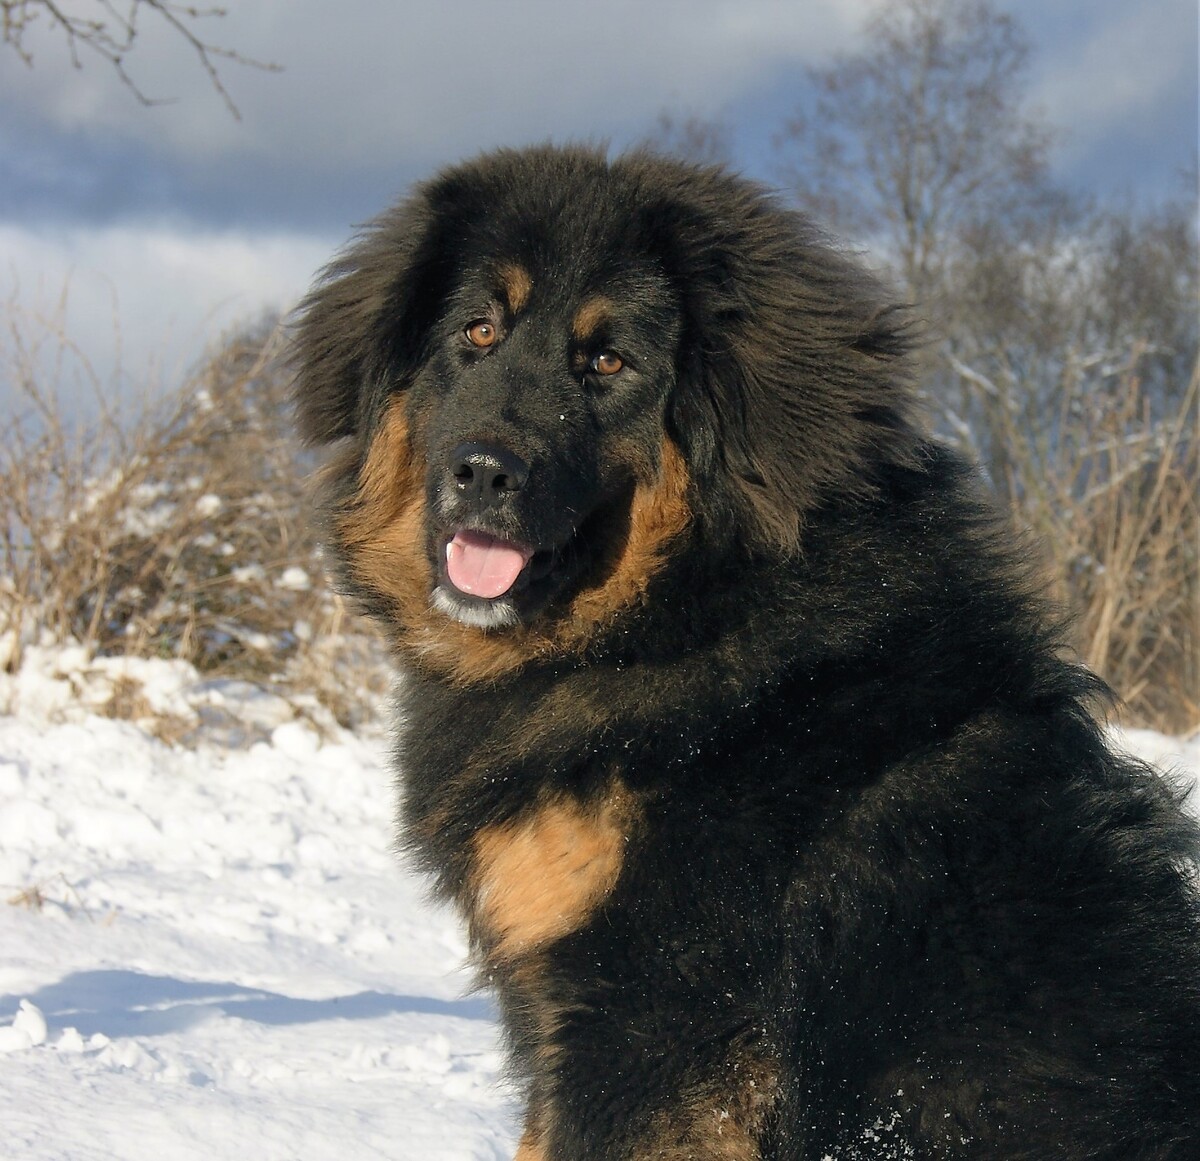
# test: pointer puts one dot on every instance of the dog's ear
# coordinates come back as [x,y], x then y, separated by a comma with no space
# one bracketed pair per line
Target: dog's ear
[792,356]
[361,330]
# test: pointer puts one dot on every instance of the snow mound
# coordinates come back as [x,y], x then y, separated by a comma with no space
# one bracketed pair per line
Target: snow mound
[169,699]
[213,945]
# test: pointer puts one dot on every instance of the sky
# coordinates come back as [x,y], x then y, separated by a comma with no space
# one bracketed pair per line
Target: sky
[136,235]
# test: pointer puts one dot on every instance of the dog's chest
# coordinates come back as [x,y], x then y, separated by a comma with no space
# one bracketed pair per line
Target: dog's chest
[540,876]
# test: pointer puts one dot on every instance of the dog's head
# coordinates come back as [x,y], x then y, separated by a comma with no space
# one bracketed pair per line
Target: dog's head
[550,372]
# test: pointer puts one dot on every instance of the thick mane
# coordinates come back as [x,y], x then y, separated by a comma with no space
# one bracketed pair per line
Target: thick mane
[795,373]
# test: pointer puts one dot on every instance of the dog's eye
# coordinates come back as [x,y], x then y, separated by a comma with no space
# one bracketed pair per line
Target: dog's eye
[607,363]
[482,333]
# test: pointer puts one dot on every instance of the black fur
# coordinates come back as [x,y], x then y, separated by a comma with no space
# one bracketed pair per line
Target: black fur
[884,890]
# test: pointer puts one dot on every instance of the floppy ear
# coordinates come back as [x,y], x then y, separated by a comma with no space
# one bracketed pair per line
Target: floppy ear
[360,331]
[793,355]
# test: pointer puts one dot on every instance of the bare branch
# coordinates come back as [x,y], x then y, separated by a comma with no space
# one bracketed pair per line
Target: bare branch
[929,113]
[693,138]
[112,33]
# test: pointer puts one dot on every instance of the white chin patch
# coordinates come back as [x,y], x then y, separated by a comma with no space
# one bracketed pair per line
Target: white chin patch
[497,614]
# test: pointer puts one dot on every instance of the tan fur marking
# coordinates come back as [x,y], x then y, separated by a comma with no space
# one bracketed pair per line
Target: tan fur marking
[539,878]
[383,535]
[724,1126]
[383,532]
[592,315]
[724,1121]
[530,1148]
[658,514]
[543,1014]
[517,286]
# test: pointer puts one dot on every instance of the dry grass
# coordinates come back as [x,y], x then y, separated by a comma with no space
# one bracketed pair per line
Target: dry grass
[1111,486]
[179,532]
[38,896]
[1123,522]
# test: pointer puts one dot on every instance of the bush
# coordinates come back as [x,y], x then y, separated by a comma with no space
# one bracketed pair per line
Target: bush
[1068,366]
[1112,493]
[179,533]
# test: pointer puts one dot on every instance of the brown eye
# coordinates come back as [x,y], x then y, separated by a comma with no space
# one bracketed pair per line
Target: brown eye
[482,334]
[607,363]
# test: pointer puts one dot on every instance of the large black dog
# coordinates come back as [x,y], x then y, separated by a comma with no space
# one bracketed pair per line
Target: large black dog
[731,720]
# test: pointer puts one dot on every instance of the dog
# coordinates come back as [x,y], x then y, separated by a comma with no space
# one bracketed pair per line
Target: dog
[731,719]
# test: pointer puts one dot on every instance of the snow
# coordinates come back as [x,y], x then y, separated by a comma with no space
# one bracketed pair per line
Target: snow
[212,950]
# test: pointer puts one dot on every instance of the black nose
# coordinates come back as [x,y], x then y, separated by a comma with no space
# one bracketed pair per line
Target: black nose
[485,474]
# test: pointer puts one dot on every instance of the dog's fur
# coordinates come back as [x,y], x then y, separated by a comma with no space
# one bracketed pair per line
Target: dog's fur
[781,827]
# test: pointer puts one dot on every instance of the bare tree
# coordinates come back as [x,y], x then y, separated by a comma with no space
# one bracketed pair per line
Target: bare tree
[919,133]
[110,31]
[1064,337]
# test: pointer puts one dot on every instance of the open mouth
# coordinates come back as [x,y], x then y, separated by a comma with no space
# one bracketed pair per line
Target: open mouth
[481,565]
[485,577]
[491,582]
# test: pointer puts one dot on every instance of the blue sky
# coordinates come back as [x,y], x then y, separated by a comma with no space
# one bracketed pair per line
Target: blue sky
[143,232]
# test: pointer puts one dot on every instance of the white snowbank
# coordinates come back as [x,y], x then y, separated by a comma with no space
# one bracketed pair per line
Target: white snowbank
[212,952]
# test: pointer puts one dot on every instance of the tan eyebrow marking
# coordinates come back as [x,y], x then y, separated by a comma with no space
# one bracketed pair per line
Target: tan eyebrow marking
[517,286]
[590,317]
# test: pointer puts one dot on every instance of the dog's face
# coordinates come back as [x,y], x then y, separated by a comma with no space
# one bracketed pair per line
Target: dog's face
[537,412]
[551,373]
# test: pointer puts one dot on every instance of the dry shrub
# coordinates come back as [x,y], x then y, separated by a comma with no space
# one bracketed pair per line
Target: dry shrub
[1127,550]
[1069,368]
[181,532]
[1111,485]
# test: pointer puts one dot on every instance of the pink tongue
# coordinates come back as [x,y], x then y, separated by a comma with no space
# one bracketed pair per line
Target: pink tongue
[483,565]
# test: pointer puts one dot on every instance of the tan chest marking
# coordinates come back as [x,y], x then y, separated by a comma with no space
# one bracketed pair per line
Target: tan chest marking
[539,878]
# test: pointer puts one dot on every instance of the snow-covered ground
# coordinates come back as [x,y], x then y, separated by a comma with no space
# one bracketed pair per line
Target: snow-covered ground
[228,960]
[210,951]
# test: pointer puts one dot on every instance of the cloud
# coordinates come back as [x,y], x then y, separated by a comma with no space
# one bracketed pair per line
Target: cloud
[1126,72]
[139,304]
[376,93]
[367,79]
[199,220]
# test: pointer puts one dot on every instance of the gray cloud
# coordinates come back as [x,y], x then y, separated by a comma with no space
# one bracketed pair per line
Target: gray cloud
[427,80]
[99,192]
[375,93]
